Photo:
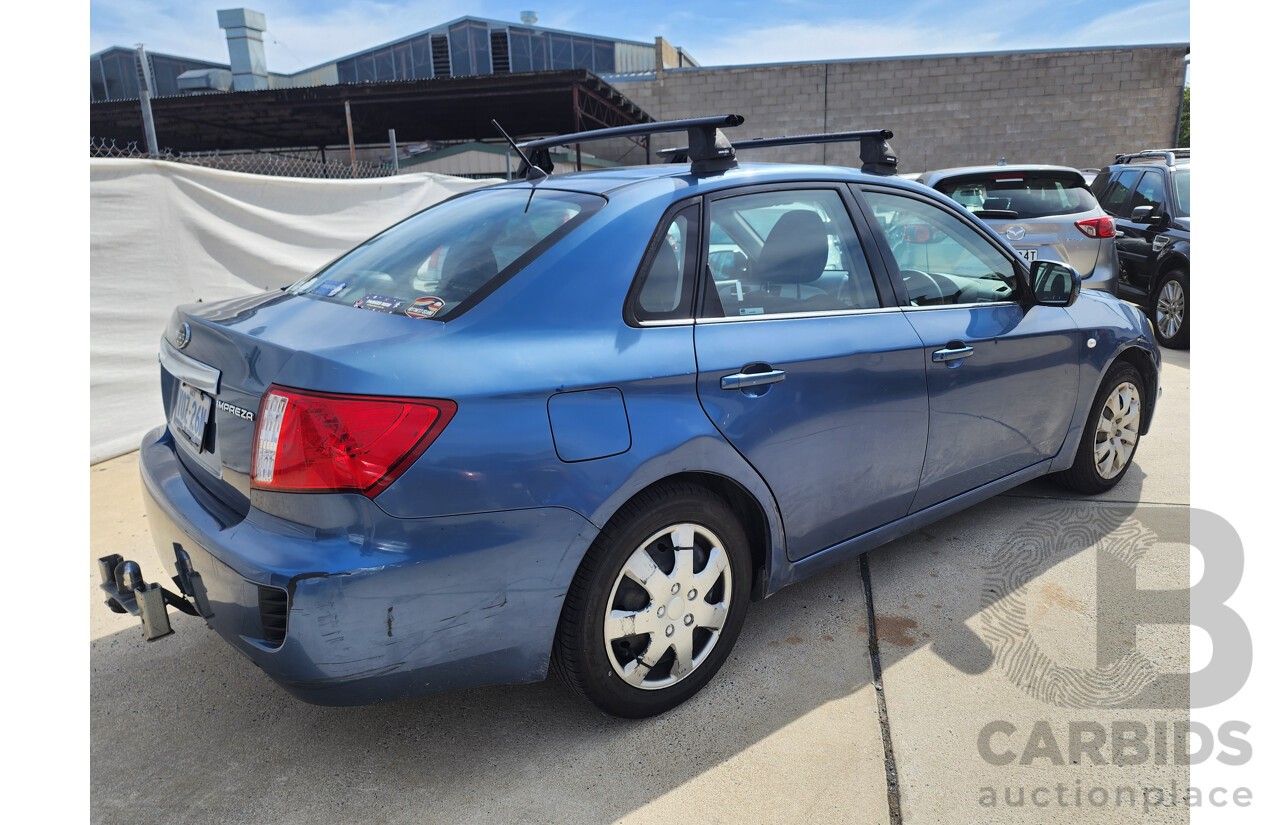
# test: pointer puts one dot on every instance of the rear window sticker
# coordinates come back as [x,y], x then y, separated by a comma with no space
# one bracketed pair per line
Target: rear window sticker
[424,307]
[380,303]
[329,288]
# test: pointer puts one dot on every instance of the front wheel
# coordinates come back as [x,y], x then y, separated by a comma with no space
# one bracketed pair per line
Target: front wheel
[1171,305]
[1111,437]
[657,604]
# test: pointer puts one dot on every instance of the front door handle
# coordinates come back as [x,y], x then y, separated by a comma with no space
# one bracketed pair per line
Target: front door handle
[742,380]
[953,351]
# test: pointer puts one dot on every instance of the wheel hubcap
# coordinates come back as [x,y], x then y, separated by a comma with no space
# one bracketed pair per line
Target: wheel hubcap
[1117,432]
[1171,308]
[668,606]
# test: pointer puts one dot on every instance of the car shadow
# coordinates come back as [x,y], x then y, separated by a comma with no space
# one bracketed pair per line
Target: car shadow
[186,730]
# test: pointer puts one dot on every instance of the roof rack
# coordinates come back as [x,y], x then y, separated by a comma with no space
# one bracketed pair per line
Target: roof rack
[875,152]
[710,151]
[1170,156]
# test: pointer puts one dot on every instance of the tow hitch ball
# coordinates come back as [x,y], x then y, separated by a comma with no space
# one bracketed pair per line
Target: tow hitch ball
[128,592]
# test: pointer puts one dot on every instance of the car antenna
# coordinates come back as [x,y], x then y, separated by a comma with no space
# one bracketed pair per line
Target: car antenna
[530,175]
[530,172]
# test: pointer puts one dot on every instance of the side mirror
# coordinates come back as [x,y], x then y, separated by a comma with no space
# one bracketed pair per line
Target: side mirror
[920,233]
[727,264]
[1145,214]
[1055,284]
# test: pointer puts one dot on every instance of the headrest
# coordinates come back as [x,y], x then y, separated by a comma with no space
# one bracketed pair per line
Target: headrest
[795,251]
[468,265]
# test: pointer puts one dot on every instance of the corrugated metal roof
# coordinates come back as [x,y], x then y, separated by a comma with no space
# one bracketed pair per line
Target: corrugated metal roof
[527,104]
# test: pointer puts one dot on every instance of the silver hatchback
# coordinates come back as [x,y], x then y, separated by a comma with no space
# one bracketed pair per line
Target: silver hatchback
[1045,212]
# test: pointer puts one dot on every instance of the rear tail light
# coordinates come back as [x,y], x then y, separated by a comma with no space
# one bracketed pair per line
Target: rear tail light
[312,442]
[1098,227]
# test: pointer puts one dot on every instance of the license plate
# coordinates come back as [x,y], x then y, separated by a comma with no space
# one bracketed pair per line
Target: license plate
[1028,255]
[191,414]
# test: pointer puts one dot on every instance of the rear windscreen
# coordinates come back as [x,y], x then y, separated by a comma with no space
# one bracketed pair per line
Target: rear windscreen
[1027,194]
[447,257]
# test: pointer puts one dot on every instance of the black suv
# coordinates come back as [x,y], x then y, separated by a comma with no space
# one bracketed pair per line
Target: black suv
[1149,195]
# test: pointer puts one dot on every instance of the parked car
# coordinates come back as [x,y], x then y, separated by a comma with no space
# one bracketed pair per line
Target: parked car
[1149,195]
[525,429]
[1045,212]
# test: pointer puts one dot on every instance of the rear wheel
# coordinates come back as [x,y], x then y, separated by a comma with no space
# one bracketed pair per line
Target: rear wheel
[657,604]
[1111,437]
[1171,310]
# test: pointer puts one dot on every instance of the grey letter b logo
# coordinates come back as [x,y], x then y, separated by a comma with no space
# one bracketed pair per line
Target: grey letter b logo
[1232,660]
[1122,674]
[1123,607]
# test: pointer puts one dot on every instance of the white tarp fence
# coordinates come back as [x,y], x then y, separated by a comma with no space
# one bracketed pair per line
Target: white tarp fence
[163,234]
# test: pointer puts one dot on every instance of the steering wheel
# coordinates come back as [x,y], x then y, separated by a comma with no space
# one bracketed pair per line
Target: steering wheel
[922,288]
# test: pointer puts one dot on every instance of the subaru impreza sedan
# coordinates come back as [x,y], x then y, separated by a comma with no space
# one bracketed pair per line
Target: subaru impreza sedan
[580,423]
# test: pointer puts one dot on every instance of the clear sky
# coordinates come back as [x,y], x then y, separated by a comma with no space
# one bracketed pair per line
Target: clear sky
[303,33]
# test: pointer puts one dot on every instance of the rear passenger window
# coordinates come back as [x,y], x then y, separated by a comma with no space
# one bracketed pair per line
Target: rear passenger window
[772,253]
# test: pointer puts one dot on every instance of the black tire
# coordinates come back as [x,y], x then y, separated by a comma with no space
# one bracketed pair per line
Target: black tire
[1171,310]
[594,667]
[1084,476]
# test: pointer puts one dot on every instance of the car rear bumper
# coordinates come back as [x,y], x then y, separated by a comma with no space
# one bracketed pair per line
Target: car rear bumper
[381,609]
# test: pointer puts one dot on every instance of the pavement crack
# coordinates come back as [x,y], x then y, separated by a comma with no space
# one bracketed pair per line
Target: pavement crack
[873,647]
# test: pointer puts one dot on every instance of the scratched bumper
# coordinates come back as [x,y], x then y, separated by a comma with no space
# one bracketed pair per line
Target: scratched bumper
[377,608]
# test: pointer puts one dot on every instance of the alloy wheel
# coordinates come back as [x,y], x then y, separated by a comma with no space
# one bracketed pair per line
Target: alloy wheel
[1171,307]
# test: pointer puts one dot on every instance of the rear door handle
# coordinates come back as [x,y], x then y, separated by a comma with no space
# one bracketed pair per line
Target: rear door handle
[952,352]
[742,380]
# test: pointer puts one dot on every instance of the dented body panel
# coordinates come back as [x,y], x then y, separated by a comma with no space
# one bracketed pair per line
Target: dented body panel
[380,607]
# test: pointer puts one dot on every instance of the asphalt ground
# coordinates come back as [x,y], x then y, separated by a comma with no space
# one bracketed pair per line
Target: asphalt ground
[1005,675]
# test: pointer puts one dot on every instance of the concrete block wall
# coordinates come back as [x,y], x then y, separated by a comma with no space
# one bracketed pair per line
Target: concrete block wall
[1070,107]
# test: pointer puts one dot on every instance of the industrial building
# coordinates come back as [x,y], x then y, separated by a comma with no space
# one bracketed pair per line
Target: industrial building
[463,47]
[441,88]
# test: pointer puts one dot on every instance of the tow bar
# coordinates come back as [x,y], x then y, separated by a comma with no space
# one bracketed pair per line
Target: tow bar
[128,592]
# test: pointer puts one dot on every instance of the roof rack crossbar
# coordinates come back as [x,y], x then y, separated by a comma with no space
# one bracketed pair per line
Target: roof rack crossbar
[711,151]
[876,154]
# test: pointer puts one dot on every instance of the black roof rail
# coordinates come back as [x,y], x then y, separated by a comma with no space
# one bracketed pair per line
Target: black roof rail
[710,150]
[876,154]
[1170,156]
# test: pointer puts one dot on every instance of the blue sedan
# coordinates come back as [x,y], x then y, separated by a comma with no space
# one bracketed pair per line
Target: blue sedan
[581,422]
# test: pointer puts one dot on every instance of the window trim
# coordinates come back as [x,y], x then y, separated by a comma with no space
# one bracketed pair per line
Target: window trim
[862,232]
[1021,271]
[788,316]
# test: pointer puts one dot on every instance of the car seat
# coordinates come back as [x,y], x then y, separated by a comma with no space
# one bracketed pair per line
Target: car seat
[467,266]
[793,257]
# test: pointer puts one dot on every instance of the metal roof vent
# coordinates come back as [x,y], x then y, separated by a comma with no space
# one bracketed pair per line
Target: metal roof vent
[528,17]
[204,81]
[244,44]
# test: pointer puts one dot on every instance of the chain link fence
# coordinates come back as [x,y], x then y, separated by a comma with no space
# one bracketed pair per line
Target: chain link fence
[299,163]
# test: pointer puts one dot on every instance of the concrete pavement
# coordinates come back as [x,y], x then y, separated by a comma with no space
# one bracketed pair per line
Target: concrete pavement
[984,622]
